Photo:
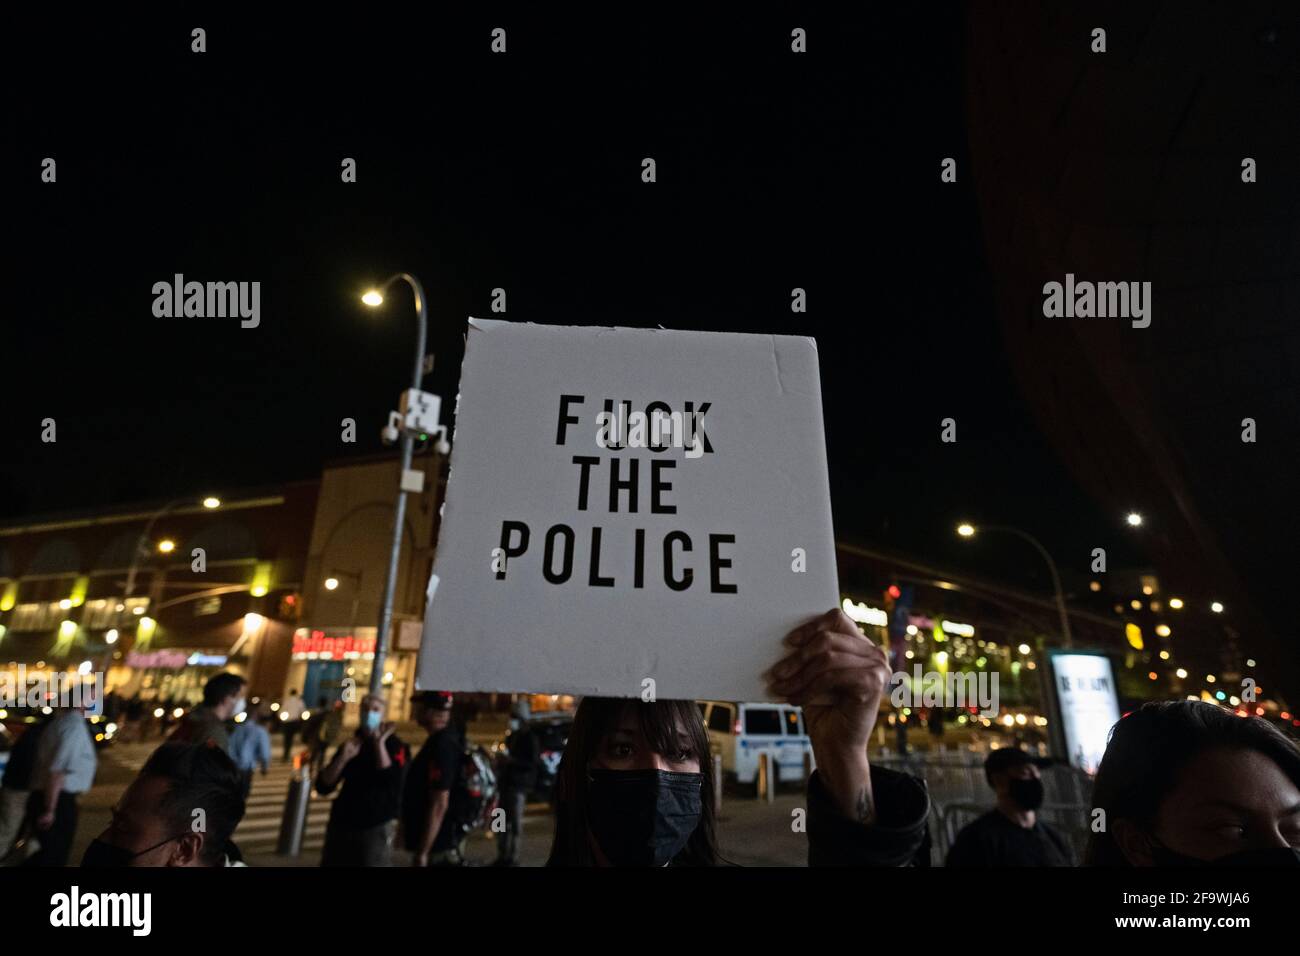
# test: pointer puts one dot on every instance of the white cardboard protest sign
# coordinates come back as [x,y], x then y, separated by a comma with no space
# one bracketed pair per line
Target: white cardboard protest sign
[682,572]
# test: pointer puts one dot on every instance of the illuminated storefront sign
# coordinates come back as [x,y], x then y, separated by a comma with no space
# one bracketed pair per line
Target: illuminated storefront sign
[167,660]
[316,645]
[206,660]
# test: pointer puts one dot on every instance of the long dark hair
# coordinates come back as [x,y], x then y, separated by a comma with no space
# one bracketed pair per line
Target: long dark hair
[1150,747]
[660,723]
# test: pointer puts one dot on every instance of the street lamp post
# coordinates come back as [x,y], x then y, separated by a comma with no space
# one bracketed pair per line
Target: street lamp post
[142,546]
[375,298]
[967,531]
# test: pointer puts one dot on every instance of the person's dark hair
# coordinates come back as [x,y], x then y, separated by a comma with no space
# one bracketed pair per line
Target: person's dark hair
[199,776]
[1148,750]
[659,722]
[220,687]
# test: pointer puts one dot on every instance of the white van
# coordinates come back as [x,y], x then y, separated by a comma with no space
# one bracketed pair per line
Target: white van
[742,731]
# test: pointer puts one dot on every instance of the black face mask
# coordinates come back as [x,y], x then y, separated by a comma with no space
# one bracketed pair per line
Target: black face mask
[101,854]
[643,817]
[1027,793]
[1269,856]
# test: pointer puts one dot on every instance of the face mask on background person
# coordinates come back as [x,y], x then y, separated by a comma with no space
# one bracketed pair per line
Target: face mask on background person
[101,854]
[1027,792]
[643,817]
[515,723]
[1269,856]
[372,719]
[240,705]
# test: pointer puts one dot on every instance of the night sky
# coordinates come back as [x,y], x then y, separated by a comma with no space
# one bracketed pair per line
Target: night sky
[520,171]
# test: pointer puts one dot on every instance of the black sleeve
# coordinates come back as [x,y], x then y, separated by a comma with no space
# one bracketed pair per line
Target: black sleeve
[445,765]
[965,849]
[318,782]
[899,836]
[1063,845]
[530,752]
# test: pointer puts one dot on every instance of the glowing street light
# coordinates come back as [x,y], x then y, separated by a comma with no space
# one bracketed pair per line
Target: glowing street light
[967,530]
[1216,607]
[373,298]
[166,546]
[331,584]
[1176,603]
[1134,519]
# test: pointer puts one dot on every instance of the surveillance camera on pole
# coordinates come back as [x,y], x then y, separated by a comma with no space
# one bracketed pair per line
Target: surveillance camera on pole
[418,416]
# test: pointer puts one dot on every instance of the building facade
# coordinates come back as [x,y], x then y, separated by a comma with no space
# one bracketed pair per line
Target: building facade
[332,650]
[158,597]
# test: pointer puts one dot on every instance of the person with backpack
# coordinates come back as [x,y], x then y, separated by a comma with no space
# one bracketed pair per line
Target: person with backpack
[429,825]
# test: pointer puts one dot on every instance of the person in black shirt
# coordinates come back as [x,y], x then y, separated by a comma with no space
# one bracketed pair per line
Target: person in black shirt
[428,830]
[1011,834]
[370,765]
[518,777]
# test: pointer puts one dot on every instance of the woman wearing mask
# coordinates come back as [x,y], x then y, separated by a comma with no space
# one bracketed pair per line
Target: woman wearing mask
[632,788]
[1187,783]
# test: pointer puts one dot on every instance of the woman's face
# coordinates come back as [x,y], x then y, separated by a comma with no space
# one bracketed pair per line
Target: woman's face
[625,748]
[1226,801]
